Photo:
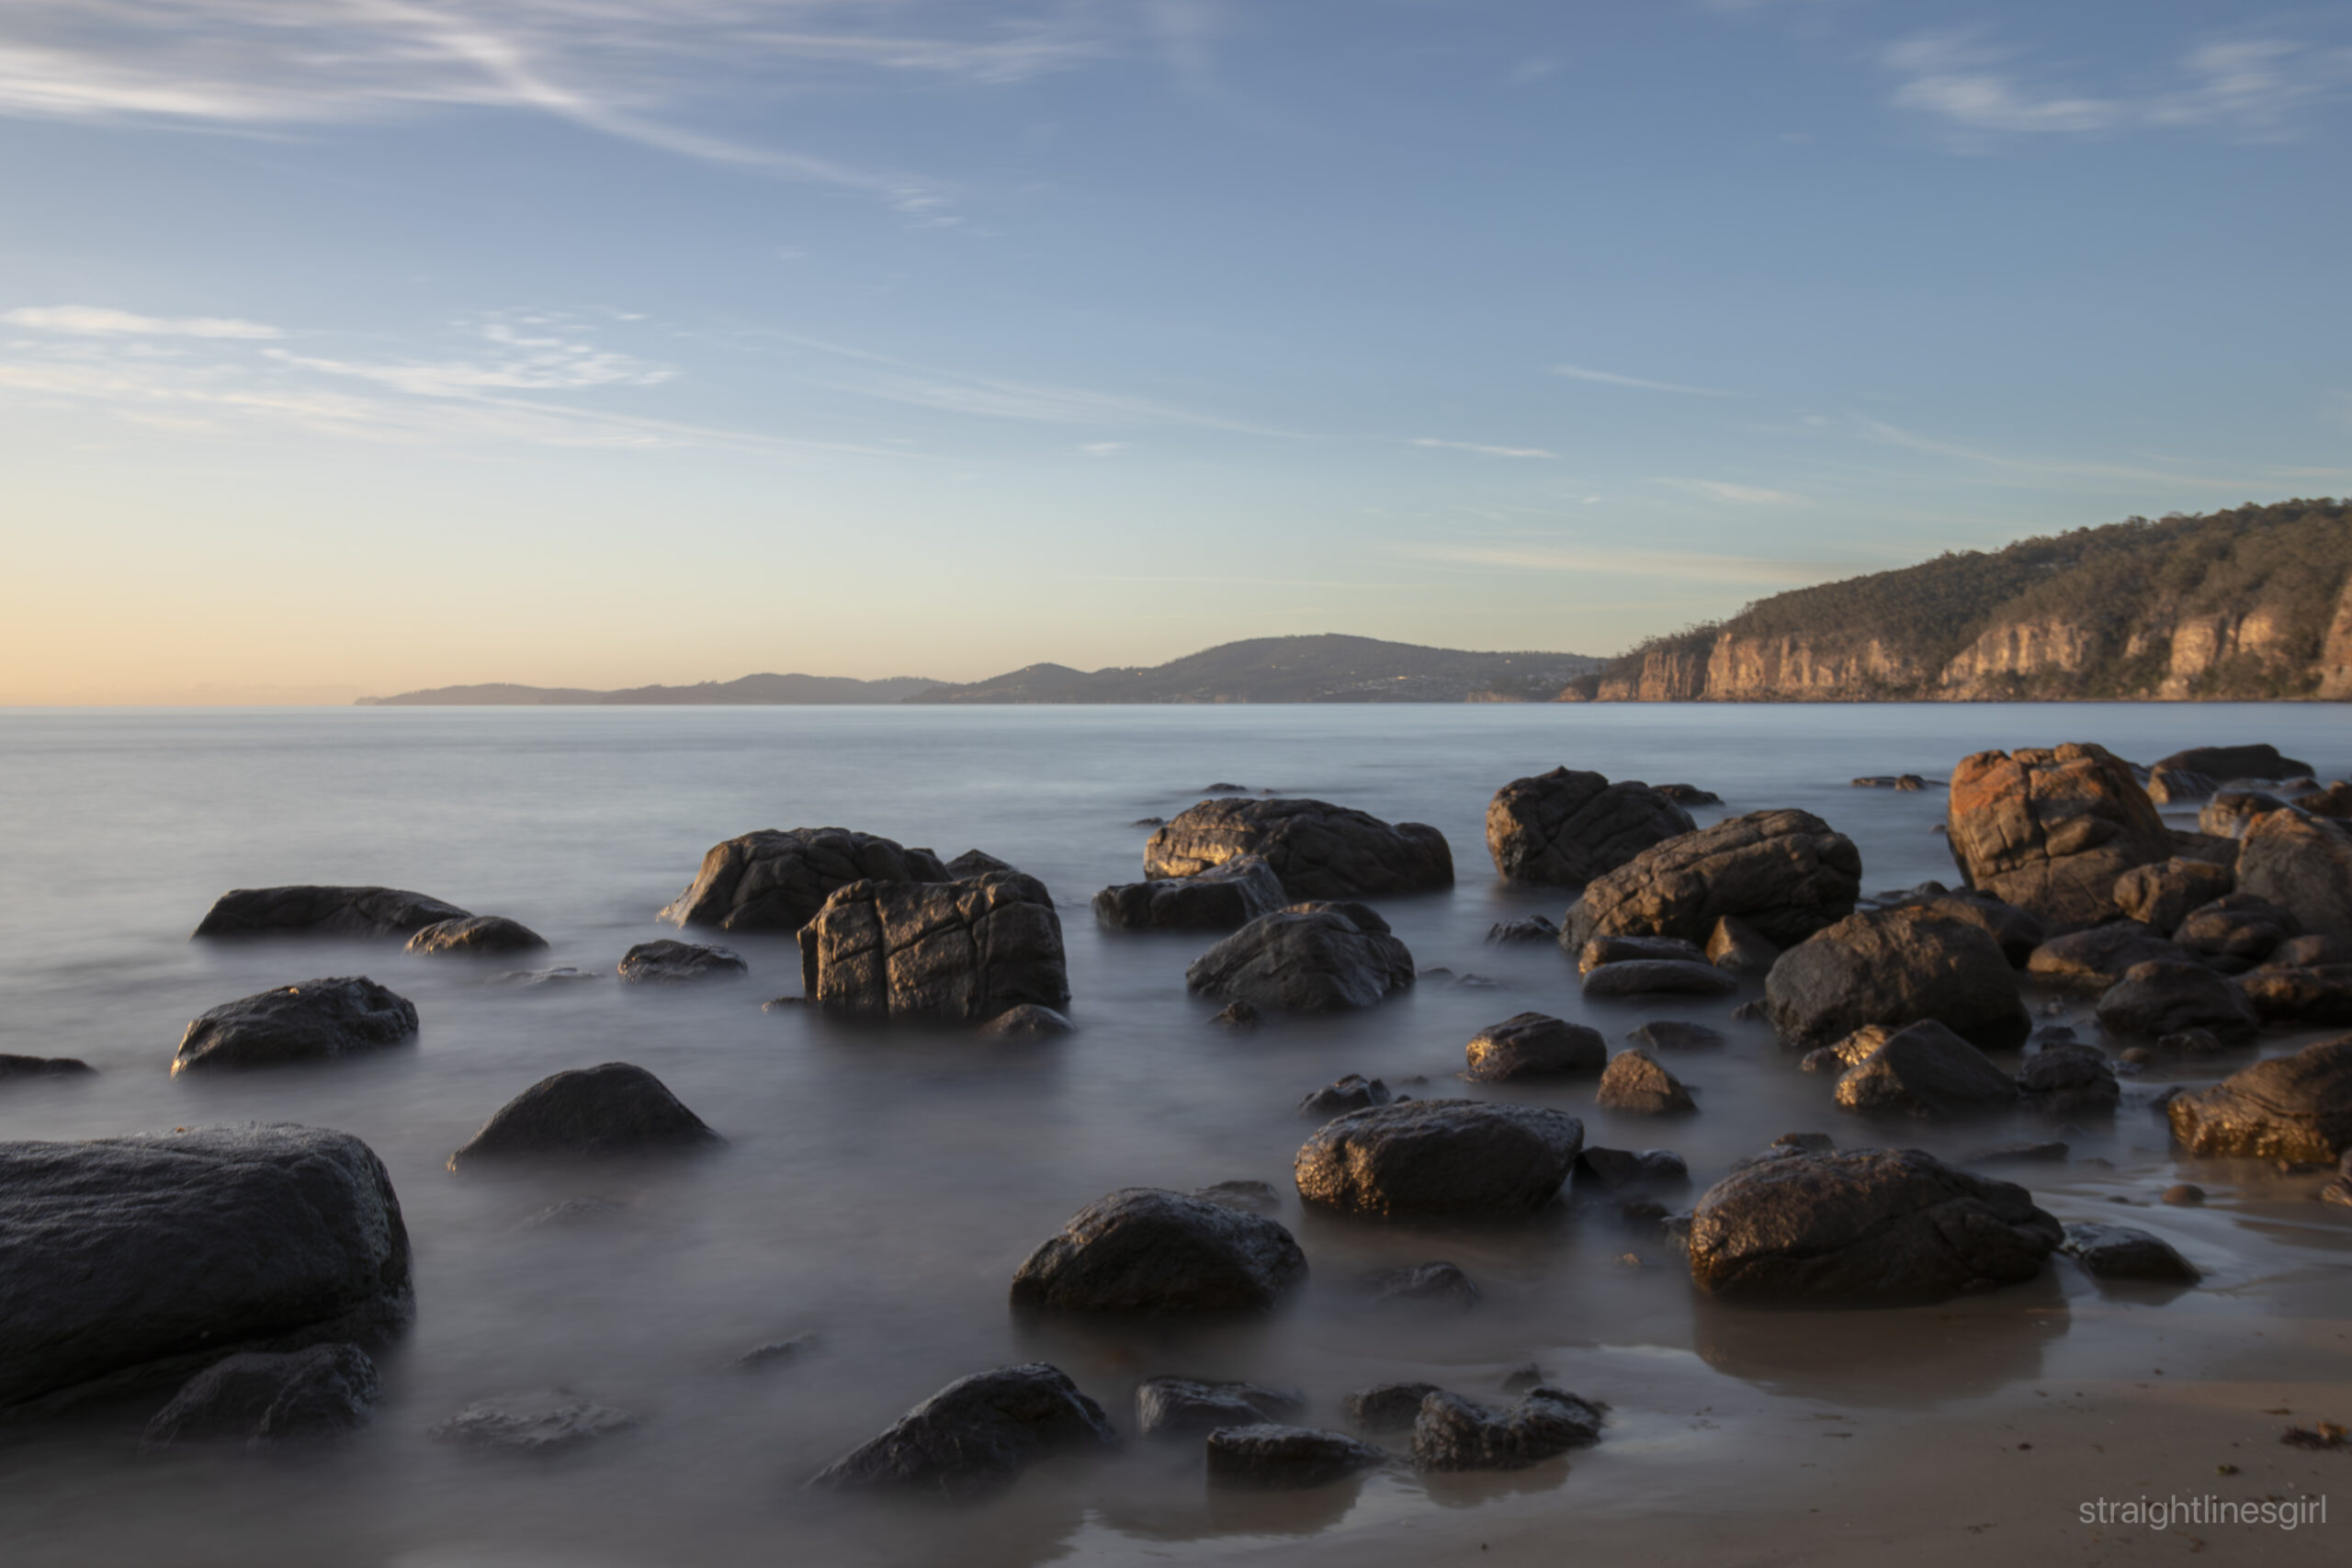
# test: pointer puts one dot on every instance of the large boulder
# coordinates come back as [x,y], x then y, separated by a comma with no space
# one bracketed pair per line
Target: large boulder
[1533,1046]
[2261,762]
[777,880]
[155,1255]
[1319,851]
[2017,930]
[2159,998]
[475,934]
[1274,1457]
[1925,1071]
[1865,1225]
[1895,968]
[1438,1157]
[323,911]
[592,1112]
[1143,1252]
[2051,829]
[2161,894]
[1566,827]
[2303,865]
[1222,899]
[1786,874]
[315,1021]
[2291,1107]
[2095,959]
[976,1436]
[952,952]
[264,1398]
[1311,957]
[1450,1433]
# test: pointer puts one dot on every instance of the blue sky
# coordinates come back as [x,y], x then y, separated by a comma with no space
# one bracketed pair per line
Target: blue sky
[367,344]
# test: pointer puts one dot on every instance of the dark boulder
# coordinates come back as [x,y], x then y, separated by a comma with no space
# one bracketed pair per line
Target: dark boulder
[2067,1078]
[2318,997]
[260,1398]
[1351,1092]
[1179,1407]
[2124,1252]
[1784,873]
[1865,1224]
[1286,1458]
[1534,928]
[1387,1407]
[1318,850]
[1660,977]
[324,911]
[315,1021]
[2290,1108]
[1633,1082]
[2095,959]
[590,1113]
[777,880]
[1925,1070]
[542,1421]
[976,1436]
[2018,931]
[1532,1046]
[14,1068]
[2051,829]
[1452,1434]
[667,963]
[1604,950]
[1438,1158]
[2159,998]
[1222,899]
[1674,1034]
[1897,968]
[151,1255]
[1436,1284]
[2260,762]
[2161,894]
[949,951]
[1615,1169]
[1565,828]
[971,863]
[2304,865]
[1143,1252]
[1736,946]
[1312,957]
[476,934]
[2238,925]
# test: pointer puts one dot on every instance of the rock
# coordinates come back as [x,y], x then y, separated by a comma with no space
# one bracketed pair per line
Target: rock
[533,978]
[1387,1407]
[1353,1092]
[2320,996]
[2159,998]
[475,934]
[260,1398]
[317,1021]
[2069,1079]
[17,1067]
[323,911]
[1179,1407]
[1897,968]
[1534,928]
[1925,1070]
[1148,823]
[1236,1015]
[1565,828]
[146,1256]
[2304,866]
[1226,789]
[949,951]
[1738,947]
[1318,850]
[1452,1434]
[666,963]
[1438,1284]
[1286,1458]
[573,1213]
[776,1353]
[2335,801]
[1783,871]
[1633,1082]
[589,1113]
[1652,976]
[1313,958]
[1674,1034]
[1027,1021]
[2161,894]
[777,880]
[2177,786]
[2261,762]
[2230,813]
[2121,1252]
[1865,1224]
[1616,1169]
[1225,897]
[1440,1156]
[2015,931]
[2184,1195]
[2313,952]
[976,1436]
[1789,1143]
[2194,1042]
[1257,1197]
[969,865]
[1524,1379]
[2050,830]
[2238,925]
[1603,950]
[2290,1108]
[543,1421]
[1143,1252]
[2095,959]
[2019,1154]
[1689,794]
[1532,1046]
[1907,783]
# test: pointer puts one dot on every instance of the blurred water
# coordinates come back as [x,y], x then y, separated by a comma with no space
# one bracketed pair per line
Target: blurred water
[881,1188]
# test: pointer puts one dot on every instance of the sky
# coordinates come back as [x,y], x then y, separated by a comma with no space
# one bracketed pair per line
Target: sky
[364,345]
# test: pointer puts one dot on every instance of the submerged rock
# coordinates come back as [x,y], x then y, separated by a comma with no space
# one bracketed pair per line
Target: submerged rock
[667,963]
[1452,1434]
[543,1421]
[1437,1283]
[777,880]
[1313,958]
[1533,927]
[475,934]
[1784,873]
[1181,1407]
[316,1020]
[308,911]
[1027,1021]
[1387,1407]
[1532,1046]
[2122,1252]
[950,952]
[1145,1252]
[1352,1092]
[19,1067]
[594,1112]
[1440,1156]
[262,1398]
[1317,849]
[1224,897]
[1286,1458]
[976,1436]
[1565,828]
[1675,1035]
[2290,1108]
[1615,1169]
[1897,968]
[1256,1197]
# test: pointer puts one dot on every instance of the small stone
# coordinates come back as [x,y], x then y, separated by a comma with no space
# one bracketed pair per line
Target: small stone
[1286,1458]
[1353,1092]
[1452,1434]
[1237,1015]
[1026,1020]
[2121,1252]
[1533,927]
[775,1352]
[669,962]
[781,1004]
[2184,1194]
[1635,1082]
[1387,1407]
[542,1422]
[1440,1283]
[572,1212]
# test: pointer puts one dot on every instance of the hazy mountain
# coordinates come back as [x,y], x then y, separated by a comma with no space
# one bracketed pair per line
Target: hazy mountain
[771,690]
[1324,669]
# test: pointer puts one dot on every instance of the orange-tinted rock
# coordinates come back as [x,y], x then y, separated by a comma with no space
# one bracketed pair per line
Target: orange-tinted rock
[2051,830]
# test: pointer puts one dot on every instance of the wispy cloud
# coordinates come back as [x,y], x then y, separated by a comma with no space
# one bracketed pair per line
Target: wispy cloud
[1610,378]
[521,359]
[1483,449]
[97,320]
[1603,562]
[1737,496]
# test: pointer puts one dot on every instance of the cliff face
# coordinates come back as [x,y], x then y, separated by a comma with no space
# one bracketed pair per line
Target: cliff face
[2250,605]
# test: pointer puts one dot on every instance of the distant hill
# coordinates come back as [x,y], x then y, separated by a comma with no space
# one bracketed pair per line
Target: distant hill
[751,690]
[2240,605]
[1323,669]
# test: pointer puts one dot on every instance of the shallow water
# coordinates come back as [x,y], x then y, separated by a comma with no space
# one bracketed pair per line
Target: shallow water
[881,1187]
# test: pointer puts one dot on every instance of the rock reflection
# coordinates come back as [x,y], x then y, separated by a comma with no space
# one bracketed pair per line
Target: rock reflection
[1888,1357]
